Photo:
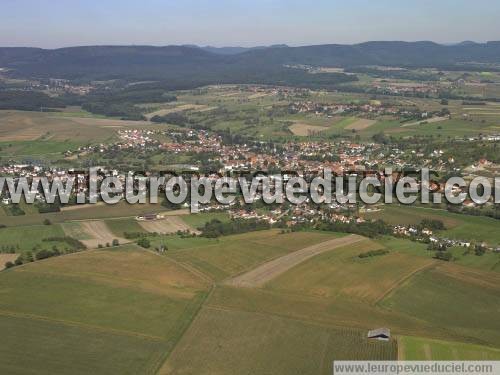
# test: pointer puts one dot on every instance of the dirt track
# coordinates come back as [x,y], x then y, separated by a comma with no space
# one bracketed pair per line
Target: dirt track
[170,224]
[268,271]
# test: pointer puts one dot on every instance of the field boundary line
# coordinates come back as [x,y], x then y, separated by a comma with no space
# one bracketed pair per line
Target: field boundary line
[268,271]
[185,266]
[82,325]
[403,280]
[159,366]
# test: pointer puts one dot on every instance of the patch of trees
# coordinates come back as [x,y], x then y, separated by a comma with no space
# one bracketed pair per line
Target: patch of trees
[28,101]
[174,118]
[432,224]
[443,255]
[72,242]
[122,102]
[217,228]
[373,253]
[369,229]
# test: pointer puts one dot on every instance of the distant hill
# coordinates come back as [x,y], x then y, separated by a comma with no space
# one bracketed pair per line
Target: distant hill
[236,64]
[238,50]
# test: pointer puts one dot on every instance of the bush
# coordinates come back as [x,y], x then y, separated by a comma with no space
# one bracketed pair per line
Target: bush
[47,222]
[373,253]
[9,265]
[144,242]
[115,242]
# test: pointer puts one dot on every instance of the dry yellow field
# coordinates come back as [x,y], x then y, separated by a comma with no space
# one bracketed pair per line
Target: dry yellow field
[304,130]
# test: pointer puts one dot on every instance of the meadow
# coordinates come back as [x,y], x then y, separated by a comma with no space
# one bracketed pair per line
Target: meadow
[421,349]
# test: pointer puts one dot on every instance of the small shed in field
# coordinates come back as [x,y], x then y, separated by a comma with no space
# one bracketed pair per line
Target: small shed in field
[382,334]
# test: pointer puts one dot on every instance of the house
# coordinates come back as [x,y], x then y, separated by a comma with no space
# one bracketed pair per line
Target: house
[382,334]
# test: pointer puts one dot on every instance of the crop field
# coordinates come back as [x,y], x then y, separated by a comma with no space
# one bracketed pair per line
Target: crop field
[49,134]
[470,296]
[360,124]
[420,349]
[304,130]
[170,224]
[235,254]
[114,311]
[230,342]
[266,272]
[92,233]
[121,226]
[341,272]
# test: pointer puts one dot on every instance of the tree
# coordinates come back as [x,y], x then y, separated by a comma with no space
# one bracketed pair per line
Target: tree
[9,265]
[47,222]
[115,242]
[144,242]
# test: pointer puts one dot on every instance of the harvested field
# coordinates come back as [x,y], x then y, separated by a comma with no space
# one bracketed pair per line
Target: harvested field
[171,224]
[360,124]
[304,130]
[4,258]
[268,271]
[92,233]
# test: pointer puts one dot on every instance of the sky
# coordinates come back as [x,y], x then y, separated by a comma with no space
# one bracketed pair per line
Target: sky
[62,23]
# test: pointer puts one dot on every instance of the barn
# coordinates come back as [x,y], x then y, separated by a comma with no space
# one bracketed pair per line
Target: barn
[382,334]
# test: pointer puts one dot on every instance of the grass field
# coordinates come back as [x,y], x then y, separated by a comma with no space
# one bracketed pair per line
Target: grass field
[121,226]
[342,272]
[200,219]
[25,238]
[420,349]
[231,255]
[462,299]
[236,342]
[114,311]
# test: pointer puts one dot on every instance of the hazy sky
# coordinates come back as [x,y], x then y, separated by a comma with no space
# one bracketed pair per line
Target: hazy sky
[59,23]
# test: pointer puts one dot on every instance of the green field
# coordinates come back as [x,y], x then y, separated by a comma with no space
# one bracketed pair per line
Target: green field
[461,299]
[122,309]
[420,349]
[342,273]
[235,254]
[121,226]
[199,220]
[235,342]
[25,238]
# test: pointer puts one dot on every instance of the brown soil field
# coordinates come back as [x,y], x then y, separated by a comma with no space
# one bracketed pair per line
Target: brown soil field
[303,130]
[95,233]
[360,124]
[171,224]
[268,271]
